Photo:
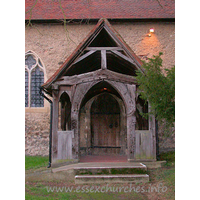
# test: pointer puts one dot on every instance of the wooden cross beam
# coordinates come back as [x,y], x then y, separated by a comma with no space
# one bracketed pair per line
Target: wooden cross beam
[84,56]
[96,75]
[103,55]
[103,48]
[123,56]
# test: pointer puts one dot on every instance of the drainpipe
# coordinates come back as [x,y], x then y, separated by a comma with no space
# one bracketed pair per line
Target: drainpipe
[51,114]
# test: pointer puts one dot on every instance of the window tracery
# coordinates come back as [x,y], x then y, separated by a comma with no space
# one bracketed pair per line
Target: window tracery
[34,78]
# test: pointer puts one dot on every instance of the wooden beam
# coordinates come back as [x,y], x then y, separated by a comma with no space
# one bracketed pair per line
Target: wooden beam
[103,48]
[96,75]
[84,56]
[123,56]
[112,35]
[103,59]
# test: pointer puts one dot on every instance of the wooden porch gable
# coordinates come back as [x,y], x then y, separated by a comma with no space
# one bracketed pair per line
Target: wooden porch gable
[102,49]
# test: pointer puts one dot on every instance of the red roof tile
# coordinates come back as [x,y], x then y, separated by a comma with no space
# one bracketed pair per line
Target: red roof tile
[96,9]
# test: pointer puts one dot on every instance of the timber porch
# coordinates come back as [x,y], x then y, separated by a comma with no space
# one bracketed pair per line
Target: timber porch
[96,108]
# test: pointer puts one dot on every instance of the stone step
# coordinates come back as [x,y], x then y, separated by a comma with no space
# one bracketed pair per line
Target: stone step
[111,170]
[120,178]
[106,172]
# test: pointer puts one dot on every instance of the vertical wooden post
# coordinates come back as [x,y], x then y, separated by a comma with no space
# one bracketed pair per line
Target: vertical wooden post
[74,126]
[152,129]
[103,59]
[131,121]
[55,126]
[131,137]
[88,123]
[79,93]
[153,132]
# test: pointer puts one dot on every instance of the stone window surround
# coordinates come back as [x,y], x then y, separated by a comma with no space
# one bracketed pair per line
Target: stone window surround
[30,109]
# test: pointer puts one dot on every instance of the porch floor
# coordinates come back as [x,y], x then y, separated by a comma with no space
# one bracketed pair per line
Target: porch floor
[103,158]
[99,165]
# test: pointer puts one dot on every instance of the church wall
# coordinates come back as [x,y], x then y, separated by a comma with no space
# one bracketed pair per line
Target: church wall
[37,133]
[53,44]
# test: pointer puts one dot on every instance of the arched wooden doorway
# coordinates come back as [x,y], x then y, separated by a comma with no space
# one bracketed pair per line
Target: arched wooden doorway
[102,122]
[105,125]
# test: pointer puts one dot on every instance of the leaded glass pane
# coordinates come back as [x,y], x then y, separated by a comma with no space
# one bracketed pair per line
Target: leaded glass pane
[26,89]
[30,61]
[37,79]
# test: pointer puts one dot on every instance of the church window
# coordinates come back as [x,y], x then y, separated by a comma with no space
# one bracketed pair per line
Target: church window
[34,78]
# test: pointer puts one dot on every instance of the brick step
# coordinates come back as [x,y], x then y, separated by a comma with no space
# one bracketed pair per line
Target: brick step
[120,178]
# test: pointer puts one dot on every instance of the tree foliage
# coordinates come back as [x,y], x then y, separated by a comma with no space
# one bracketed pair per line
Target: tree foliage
[158,88]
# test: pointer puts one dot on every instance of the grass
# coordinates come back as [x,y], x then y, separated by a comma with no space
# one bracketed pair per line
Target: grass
[34,162]
[39,191]
[169,157]
[164,176]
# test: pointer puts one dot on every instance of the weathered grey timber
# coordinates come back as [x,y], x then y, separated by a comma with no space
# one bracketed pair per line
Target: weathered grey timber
[65,144]
[95,98]
[103,59]
[96,75]
[84,56]
[123,56]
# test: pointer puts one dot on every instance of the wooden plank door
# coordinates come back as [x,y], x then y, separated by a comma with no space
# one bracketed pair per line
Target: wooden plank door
[105,125]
